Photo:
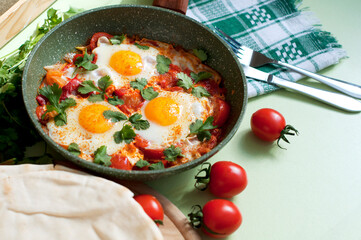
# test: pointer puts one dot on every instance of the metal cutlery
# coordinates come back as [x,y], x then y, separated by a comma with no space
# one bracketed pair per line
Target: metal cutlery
[253,58]
[335,99]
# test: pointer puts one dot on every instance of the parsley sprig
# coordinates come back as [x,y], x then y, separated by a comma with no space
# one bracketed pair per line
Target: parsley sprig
[127,133]
[147,93]
[17,131]
[117,39]
[172,153]
[85,62]
[53,93]
[151,166]
[201,54]
[101,157]
[103,83]
[163,64]
[201,129]
[186,82]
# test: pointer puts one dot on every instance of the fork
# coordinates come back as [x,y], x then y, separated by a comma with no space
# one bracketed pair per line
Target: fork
[253,58]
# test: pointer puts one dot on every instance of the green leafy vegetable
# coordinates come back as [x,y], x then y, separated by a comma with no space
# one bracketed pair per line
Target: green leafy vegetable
[156,166]
[17,132]
[141,46]
[103,83]
[53,93]
[88,87]
[138,123]
[73,148]
[139,83]
[163,64]
[186,82]
[86,62]
[101,157]
[149,93]
[201,54]
[114,116]
[115,101]
[142,163]
[200,76]
[127,135]
[202,129]
[117,40]
[172,153]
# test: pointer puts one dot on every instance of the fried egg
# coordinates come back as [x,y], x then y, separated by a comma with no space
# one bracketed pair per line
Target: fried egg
[170,115]
[125,62]
[87,127]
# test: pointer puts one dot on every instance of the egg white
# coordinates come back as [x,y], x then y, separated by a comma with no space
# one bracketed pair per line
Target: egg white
[191,108]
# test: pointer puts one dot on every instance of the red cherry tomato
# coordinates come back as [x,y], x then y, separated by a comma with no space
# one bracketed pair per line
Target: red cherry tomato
[221,112]
[152,207]
[220,218]
[270,125]
[227,179]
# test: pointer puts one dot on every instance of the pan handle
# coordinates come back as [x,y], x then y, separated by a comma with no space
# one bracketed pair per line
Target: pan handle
[176,5]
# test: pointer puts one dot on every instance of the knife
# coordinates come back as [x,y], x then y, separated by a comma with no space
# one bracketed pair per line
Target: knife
[335,99]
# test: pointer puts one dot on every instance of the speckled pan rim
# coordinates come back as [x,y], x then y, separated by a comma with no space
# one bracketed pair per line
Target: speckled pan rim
[123,174]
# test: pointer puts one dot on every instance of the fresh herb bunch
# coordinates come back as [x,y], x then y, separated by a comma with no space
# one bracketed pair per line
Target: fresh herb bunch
[16,131]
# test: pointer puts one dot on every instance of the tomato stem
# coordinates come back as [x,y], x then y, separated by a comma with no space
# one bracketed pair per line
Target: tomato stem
[196,216]
[288,130]
[203,180]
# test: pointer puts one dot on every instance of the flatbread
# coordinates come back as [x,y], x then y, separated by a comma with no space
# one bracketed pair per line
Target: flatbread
[38,202]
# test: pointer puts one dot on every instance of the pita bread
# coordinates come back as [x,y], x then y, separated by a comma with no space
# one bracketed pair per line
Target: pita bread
[38,202]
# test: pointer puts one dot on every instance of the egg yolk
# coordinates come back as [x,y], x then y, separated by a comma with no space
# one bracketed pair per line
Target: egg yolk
[92,119]
[127,63]
[162,110]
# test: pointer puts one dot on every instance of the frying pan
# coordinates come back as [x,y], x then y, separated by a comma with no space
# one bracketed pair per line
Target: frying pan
[149,22]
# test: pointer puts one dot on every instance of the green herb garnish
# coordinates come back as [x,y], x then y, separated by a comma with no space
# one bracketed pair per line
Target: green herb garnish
[163,64]
[114,116]
[147,93]
[101,157]
[117,40]
[200,76]
[139,83]
[86,62]
[53,93]
[142,163]
[156,166]
[201,54]
[141,46]
[172,153]
[127,135]
[186,82]
[138,123]
[202,129]
[74,149]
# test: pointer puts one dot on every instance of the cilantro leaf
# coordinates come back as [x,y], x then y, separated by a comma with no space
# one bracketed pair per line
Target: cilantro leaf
[156,166]
[117,40]
[96,98]
[74,149]
[200,76]
[114,116]
[138,123]
[86,62]
[200,92]
[127,135]
[115,101]
[66,103]
[101,157]
[88,87]
[142,163]
[149,93]
[202,128]
[172,153]
[72,11]
[104,83]
[139,83]
[163,64]
[60,119]
[141,46]
[52,93]
[201,54]
[184,81]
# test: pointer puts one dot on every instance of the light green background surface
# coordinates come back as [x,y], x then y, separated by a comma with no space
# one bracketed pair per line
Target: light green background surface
[312,190]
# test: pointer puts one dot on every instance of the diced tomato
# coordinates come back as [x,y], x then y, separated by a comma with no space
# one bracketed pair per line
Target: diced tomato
[42,100]
[153,154]
[212,87]
[95,37]
[120,162]
[140,142]
[208,145]
[40,110]
[76,56]
[221,112]
[133,100]
[169,80]
[70,88]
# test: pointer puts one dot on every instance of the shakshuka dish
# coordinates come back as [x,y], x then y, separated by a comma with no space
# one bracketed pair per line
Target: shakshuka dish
[133,104]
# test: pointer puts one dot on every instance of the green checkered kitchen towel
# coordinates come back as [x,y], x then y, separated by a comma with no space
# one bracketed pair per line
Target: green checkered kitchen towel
[274,27]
